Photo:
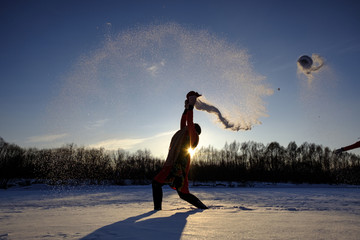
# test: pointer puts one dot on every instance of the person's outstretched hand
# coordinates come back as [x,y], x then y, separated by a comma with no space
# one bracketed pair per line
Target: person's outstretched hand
[338,151]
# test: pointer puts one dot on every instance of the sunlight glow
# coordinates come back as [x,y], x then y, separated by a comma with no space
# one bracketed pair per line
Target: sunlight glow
[192,151]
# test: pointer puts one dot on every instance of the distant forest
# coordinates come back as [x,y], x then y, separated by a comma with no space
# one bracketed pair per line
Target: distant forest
[235,162]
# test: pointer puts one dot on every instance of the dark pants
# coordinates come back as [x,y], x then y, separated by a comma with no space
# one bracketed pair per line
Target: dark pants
[158,195]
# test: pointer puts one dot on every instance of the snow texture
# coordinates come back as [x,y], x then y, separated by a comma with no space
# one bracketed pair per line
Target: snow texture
[125,212]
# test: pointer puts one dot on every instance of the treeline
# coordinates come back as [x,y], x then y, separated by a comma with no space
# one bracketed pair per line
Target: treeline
[239,162]
[251,161]
[76,165]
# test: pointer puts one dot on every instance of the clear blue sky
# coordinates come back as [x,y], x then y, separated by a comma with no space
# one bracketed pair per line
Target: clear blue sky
[70,75]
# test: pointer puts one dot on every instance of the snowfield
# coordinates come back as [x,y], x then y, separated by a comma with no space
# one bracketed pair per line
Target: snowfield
[126,212]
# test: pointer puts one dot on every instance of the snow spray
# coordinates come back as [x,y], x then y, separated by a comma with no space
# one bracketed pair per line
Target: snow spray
[320,87]
[151,67]
[203,105]
[309,65]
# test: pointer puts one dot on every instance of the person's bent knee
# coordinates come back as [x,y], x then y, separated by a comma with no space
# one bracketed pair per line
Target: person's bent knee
[181,195]
[184,196]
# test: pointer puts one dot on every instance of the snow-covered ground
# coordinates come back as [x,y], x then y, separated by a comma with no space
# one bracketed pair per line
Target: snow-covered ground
[125,212]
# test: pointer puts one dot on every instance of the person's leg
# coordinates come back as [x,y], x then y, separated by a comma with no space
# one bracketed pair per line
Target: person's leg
[157,194]
[190,198]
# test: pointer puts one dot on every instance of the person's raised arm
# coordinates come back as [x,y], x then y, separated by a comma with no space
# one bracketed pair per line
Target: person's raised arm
[190,122]
[183,116]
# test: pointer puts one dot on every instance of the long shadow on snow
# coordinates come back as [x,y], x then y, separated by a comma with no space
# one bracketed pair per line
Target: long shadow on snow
[154,228]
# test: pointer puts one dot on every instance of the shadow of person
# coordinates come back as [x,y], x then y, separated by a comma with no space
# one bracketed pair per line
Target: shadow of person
[153,228]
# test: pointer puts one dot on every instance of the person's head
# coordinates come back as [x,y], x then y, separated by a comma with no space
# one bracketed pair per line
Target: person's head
[197,128]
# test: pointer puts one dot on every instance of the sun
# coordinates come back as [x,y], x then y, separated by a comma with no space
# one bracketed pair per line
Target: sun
[192,151]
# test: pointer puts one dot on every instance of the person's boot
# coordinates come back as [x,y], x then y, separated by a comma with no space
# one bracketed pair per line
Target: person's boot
[200,205]
[157,195]
[190,198]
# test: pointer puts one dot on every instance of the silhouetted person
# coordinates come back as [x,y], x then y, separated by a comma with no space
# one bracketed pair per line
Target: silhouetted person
[176,168]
